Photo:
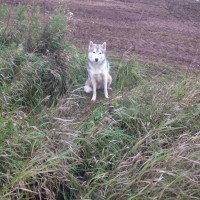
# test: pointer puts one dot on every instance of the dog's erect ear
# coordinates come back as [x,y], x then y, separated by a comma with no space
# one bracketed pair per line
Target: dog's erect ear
[104,46]
[91,44]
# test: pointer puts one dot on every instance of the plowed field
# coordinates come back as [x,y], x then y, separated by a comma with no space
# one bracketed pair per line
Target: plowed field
[166,31]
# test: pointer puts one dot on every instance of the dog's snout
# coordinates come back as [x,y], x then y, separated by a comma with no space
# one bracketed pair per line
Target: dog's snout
[96,59]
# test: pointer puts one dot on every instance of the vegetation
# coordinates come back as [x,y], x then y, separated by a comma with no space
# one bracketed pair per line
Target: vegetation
[55,144]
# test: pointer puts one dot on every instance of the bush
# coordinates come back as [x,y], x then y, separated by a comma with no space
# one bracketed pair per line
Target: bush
[32,29]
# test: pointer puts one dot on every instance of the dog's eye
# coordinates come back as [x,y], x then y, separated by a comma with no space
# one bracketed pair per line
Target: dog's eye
[93,51]
[99,52]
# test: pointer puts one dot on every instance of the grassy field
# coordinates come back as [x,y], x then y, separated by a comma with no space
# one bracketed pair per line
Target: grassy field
[144,143]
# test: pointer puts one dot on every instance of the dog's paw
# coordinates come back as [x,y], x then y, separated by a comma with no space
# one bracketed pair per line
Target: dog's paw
[87,89]
[106,96]
[93,99]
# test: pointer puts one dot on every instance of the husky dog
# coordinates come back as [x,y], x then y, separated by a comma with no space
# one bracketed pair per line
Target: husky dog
[98,70]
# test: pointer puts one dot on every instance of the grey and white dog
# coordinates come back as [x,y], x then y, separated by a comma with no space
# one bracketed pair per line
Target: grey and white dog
[98,70]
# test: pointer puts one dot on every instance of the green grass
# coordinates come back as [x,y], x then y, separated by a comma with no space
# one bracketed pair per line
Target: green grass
[150,147]
[55,144]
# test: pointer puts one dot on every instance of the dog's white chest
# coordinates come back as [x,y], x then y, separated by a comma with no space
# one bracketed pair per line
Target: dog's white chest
[98,70]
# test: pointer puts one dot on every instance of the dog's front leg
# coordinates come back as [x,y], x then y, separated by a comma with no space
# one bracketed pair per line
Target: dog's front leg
[94,89]
[105,81]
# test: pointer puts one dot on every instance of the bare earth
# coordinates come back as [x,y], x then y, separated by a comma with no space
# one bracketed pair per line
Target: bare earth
[164,31]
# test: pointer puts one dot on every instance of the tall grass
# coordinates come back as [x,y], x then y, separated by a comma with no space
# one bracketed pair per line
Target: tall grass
[36,56]
[54,144]
[38,66]
[148,147]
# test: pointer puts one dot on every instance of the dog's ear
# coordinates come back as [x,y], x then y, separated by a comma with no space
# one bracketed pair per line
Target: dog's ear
[91,44]
[104,46]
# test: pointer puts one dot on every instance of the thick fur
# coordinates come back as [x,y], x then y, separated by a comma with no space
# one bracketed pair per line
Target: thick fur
[98,70]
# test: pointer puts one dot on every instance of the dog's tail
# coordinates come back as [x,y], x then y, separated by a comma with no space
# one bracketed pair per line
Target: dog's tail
[87,89]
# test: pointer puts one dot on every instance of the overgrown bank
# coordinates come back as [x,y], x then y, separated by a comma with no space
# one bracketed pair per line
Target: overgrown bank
[143,144]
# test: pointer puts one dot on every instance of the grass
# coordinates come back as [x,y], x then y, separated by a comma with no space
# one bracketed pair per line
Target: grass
[55,144]
[149,149]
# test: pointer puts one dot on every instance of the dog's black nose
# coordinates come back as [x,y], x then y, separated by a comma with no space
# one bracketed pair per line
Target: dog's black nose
[96,59]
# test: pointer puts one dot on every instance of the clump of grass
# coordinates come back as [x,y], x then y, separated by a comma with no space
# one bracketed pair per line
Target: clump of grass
[37,60]
[35,31]
[128,74]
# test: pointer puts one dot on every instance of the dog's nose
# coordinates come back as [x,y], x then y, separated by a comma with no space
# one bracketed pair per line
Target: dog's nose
[96,59]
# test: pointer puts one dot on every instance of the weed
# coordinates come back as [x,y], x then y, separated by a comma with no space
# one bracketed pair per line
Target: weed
[128,74]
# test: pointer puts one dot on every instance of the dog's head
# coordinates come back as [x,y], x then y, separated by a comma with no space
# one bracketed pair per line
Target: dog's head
[96,52]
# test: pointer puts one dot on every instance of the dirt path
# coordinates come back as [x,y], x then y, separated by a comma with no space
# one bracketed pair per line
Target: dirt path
[164,31]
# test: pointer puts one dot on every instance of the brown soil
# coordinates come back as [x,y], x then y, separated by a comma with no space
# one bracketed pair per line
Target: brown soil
[165,31]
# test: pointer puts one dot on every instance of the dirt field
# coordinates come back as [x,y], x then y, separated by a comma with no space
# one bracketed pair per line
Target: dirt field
[166,31]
